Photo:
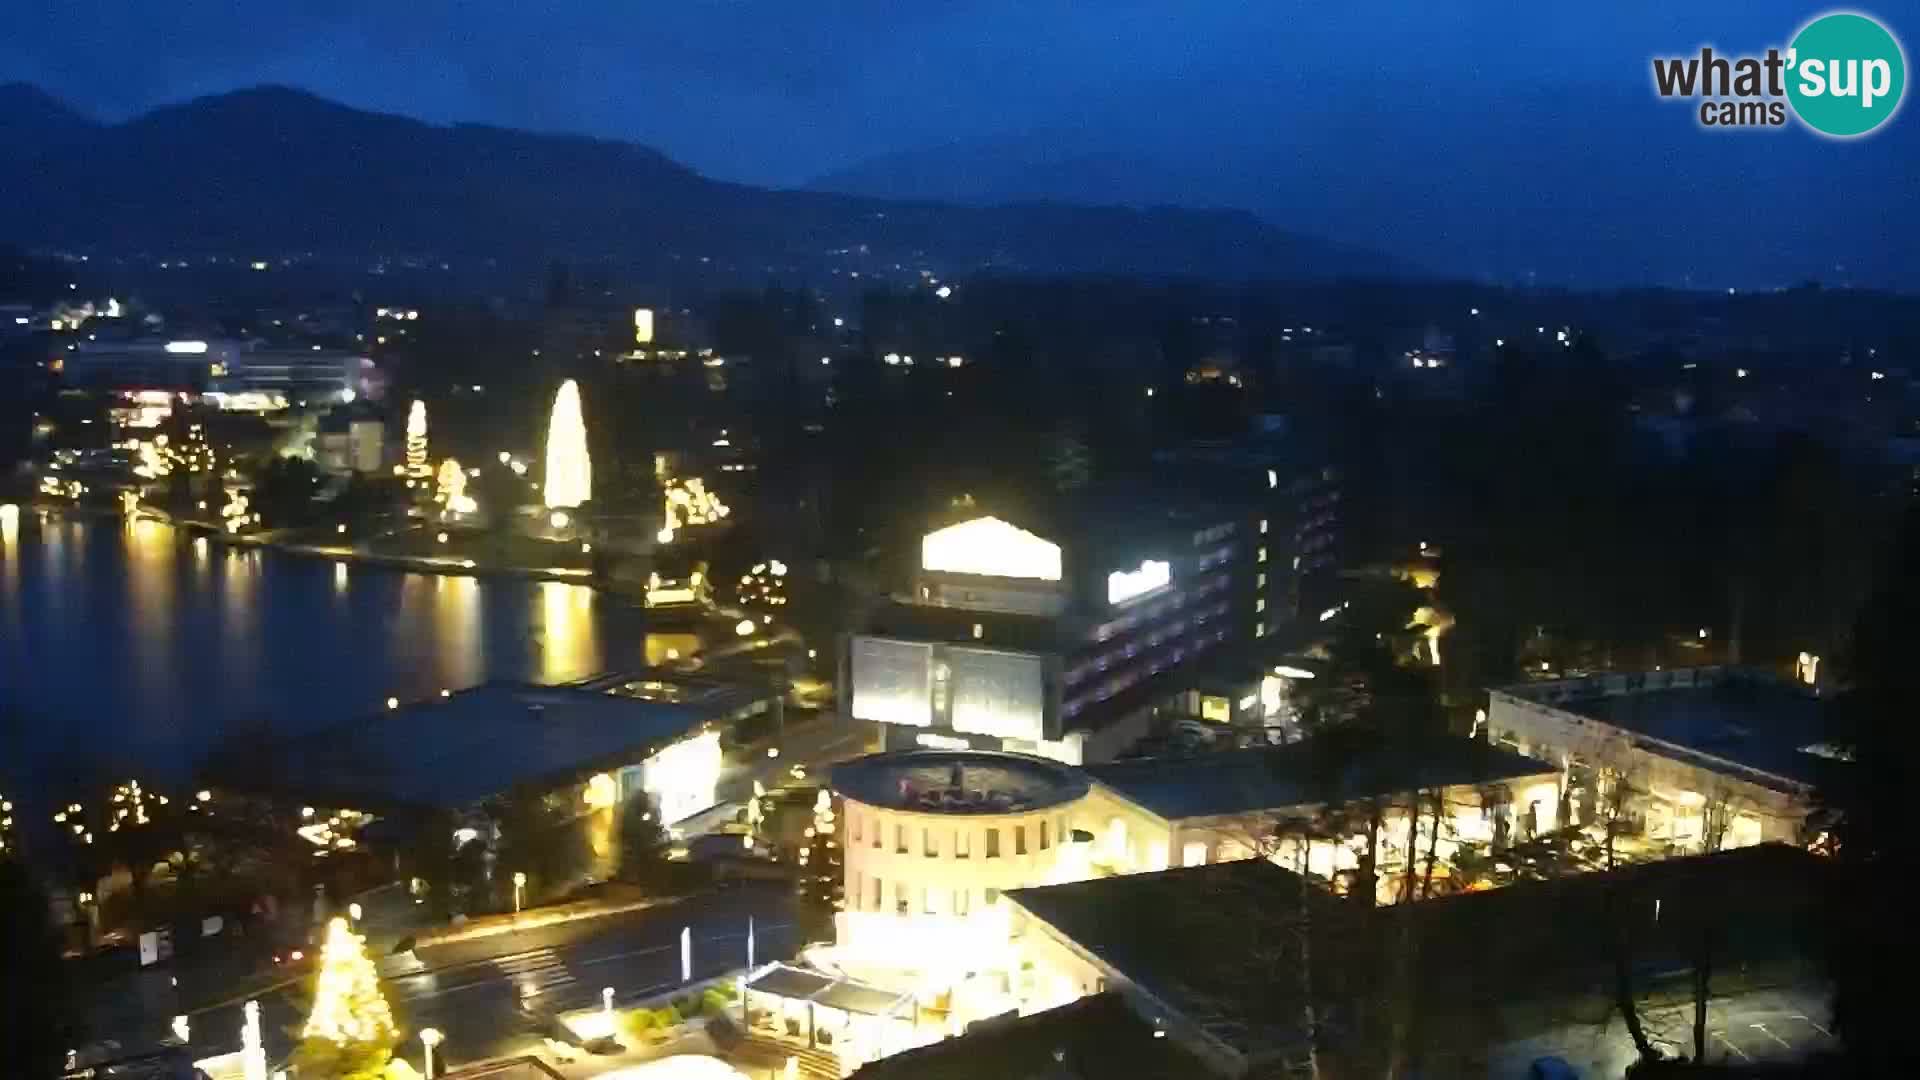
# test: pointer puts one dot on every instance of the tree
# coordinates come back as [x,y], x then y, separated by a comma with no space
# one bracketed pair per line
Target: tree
[1871,801]
[350,1034]
[283,491]
[643,841]
[35,1017]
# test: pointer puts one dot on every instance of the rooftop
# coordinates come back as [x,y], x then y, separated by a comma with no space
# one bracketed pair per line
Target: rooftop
[456,751]
[1727,719]
[1094,1037]
[957,782]
[1317,770]
[1220,946]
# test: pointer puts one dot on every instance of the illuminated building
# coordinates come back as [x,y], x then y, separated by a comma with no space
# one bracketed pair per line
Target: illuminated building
[568,479]
[349,444]
[234,374]
[1066,638]
[589,746]
[1704,758]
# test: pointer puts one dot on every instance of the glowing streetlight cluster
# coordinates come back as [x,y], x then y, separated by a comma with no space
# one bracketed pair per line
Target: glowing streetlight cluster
[765,584]
[451,485]
[688,502]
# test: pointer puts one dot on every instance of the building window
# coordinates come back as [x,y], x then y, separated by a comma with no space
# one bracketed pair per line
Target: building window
[1215,708]
[993,897]
[926,902]
[979,631]
[928,847]
[855,891]
[1260,555]
[1260,581]
[1263,526]
[960,897]
[900,839]
[1260,629]
[902,904]
[961,843]
[993,843]
[854,819]
[1260,604]
[879,890]
[1043,836]
[1019,839]
[877,830]
[1194,853]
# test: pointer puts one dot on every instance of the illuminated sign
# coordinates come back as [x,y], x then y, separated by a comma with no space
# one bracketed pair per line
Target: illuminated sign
[892,681]
[642,326]
[187,347]
[997,693]
[992,548]
[1124,585]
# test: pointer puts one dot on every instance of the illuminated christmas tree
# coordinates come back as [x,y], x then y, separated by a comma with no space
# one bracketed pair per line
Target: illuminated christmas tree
[417,468]
[350,1034]
[569,477]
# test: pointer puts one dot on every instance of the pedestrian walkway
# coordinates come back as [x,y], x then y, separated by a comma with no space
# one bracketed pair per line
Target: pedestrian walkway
[534,973]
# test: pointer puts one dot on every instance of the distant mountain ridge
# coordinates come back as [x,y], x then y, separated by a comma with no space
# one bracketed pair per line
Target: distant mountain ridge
[276,169]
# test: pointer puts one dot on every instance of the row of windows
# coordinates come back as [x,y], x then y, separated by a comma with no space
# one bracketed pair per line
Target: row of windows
[870,894]
[1144,616]
[959,841]
[1129,676]
[1208,536]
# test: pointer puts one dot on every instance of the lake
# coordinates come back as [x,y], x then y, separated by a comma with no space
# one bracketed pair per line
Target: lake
[138,646]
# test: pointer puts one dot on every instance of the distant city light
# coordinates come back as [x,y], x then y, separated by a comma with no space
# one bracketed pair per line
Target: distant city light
[176,347]
[744,628]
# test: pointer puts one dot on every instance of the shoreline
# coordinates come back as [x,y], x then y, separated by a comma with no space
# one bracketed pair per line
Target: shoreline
[445,566]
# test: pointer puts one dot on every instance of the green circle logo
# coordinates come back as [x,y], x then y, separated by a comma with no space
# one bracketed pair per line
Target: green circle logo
[1846,75]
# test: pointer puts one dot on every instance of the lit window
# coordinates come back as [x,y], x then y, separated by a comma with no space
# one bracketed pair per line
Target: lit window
[1260,629]
[979,631]
[856,890]
[960,897]
[1263,526]
[1260,580]
[879,890]
[960,843]
[926,902]
[900,839]
[876,834]
[1043,836]
[1261,555]
[902,903]
[854,820]
[1194,853]
[993,897]
[1260,604]
[1019,839]
[993,844]
[928,847]
[1217,709]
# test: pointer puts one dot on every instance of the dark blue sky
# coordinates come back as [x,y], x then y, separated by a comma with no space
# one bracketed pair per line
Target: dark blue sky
[1482,137]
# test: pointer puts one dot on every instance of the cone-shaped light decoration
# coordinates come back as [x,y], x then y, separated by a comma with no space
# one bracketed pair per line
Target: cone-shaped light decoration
[569,479]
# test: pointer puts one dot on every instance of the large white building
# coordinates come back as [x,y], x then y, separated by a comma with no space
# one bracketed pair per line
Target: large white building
[1695,758]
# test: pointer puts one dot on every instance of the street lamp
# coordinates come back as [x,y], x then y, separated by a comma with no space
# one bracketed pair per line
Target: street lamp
[519,886]
[606,1001]
[353,914]
[429,1038]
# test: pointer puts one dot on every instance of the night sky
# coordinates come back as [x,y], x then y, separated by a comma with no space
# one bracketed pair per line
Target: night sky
[1482,138]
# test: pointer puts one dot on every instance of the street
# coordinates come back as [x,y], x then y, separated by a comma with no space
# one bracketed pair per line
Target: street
[488,996]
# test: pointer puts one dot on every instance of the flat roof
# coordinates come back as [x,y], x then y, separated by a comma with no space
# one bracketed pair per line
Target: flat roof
[1324,769]
[1220,945]
[1094,1036]
[1714,716]
[957,782]
[833,991]
[456,751]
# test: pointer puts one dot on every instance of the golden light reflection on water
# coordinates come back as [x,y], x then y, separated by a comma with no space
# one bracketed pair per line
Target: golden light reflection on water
[568,649]
[458,626]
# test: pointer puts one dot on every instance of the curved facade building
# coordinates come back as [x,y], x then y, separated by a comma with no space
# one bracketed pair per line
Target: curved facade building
[932,838]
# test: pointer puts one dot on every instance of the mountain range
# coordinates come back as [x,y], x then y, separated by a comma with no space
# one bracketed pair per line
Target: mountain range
[272,169]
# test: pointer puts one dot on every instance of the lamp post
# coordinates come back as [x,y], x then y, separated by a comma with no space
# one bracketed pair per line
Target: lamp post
[353,915]
[429,1038]
[606,1001]
[519,888]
